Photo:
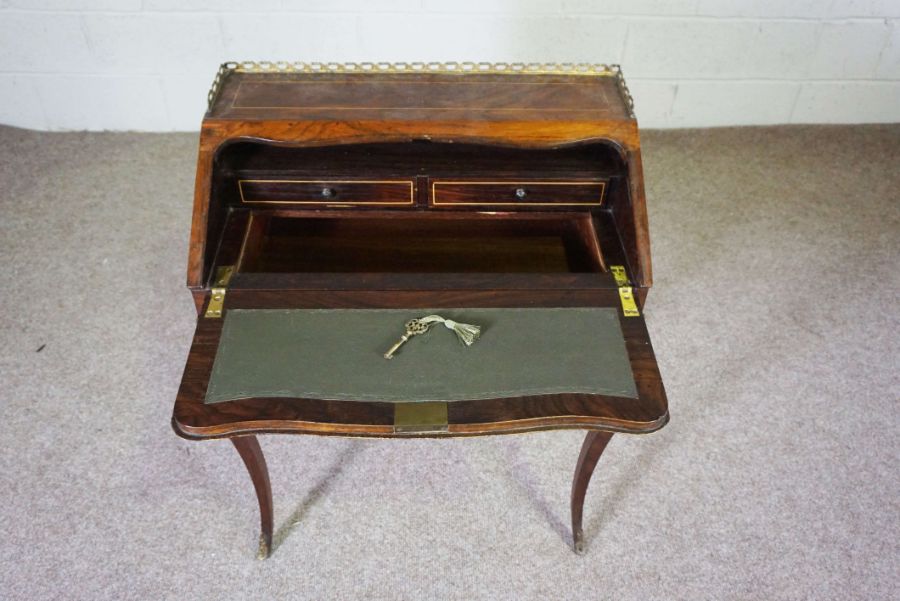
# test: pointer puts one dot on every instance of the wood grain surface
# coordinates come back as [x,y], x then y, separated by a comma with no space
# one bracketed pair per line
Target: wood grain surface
[274,145]
[328,111]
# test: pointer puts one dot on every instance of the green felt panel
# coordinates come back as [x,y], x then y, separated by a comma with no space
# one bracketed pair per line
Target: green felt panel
[337,354]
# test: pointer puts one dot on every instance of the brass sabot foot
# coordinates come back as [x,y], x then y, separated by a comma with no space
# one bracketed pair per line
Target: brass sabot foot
[265,548]
[578,539]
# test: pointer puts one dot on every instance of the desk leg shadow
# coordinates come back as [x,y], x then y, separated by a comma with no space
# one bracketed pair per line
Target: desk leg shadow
[248,448]
[594,444]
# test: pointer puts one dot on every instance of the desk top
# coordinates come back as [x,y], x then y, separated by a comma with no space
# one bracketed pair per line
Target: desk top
[430,93]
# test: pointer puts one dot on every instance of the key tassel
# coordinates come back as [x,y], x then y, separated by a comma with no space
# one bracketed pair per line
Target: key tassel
[466,332]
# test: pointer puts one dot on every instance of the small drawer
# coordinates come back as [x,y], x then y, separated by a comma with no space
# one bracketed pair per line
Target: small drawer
[517,194]
[324,192]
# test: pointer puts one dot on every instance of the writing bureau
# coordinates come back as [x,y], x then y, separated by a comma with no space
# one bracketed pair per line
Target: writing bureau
[335,202]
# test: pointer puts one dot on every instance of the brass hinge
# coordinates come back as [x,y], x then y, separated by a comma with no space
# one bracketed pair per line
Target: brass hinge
[217,293]
[626,293]
[428,416]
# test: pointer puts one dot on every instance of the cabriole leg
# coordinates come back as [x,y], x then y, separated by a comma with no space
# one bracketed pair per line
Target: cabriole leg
[248,448]
[591,450]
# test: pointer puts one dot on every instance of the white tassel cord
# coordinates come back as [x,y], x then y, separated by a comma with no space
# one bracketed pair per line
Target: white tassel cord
[467,333]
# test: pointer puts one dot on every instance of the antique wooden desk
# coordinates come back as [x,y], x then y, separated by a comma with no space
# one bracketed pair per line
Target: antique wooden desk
[446,187]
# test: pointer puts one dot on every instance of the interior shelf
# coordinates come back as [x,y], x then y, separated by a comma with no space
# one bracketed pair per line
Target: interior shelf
[419,243]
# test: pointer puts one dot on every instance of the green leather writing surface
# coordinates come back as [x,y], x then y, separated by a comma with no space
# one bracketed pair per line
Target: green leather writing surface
[337,354]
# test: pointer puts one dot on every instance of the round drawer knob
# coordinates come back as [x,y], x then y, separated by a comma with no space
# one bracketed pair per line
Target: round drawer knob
[521,193]
[328,192]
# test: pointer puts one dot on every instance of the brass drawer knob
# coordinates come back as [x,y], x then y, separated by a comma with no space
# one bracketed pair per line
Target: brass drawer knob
[521,193]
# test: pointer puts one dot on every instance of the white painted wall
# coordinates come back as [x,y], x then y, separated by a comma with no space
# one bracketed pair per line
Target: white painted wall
[147,64]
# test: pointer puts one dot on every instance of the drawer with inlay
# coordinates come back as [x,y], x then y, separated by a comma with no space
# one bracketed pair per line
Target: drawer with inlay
[521,194]
[328,192]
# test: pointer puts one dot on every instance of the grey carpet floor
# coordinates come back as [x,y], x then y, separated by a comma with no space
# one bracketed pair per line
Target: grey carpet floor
[774,316]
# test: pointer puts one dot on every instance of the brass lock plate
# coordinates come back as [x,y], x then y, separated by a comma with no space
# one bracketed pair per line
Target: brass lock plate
[428,416]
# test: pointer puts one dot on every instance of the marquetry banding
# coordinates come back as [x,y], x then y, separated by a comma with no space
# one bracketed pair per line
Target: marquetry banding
[306,200]
[436,200]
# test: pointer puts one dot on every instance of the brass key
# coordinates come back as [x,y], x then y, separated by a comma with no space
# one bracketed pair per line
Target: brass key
[414,327]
